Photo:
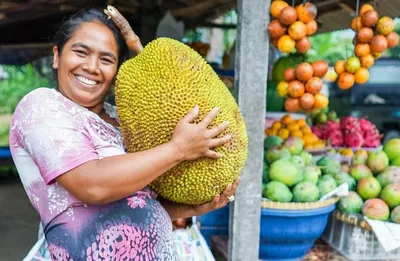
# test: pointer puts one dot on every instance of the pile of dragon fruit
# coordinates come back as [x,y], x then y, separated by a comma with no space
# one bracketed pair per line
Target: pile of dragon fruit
[349,132]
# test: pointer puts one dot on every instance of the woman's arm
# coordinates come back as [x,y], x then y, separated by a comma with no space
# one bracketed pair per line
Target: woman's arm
[113,178]
[177,210]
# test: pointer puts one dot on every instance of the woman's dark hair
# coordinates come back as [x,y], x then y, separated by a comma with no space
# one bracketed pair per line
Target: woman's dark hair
[68,28]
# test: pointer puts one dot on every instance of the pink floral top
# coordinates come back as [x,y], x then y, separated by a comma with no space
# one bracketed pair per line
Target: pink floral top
[51,135]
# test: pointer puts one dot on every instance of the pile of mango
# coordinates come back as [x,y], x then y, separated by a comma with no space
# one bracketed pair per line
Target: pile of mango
[288,127]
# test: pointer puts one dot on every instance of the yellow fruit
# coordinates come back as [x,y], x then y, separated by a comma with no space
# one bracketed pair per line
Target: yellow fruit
[282,88]
[271,132]
[157,88]
[301,122]
[293,126]
[287,119]
[310,138]
[296,133]
[283,133]
[276,125]
[347,152]
[286,44]
[305,129]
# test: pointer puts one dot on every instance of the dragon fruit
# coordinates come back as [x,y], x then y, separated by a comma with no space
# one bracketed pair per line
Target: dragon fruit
[336,138]
[353,139]
[365,124]
[349,124]
[332,125]
[372,137]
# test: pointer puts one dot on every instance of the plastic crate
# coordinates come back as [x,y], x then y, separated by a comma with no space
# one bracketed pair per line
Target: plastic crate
[353,238]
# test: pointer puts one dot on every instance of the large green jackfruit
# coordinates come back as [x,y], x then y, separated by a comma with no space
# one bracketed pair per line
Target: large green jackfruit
[158,87]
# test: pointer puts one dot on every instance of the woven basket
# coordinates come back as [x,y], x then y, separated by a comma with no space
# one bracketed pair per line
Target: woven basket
[297,205]
[356,220]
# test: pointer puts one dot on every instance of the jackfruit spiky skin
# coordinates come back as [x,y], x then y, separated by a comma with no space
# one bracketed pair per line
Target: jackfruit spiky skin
[158,87]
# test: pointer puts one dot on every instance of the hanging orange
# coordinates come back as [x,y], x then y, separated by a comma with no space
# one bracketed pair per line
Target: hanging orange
[361,76]
[345,80]
[367,61]
[276,7]
[295,89]
[320,101]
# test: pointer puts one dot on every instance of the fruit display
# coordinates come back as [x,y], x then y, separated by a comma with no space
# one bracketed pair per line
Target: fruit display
[287,127]
[302,85]
[151,98]
[377,191]
[349,132]
[321,116]
[373,36]
[290,26]
[290,176]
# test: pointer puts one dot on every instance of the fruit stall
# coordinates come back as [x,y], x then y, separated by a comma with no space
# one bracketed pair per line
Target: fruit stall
[330,186]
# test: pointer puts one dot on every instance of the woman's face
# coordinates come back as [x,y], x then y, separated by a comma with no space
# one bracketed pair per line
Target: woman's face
[87,65]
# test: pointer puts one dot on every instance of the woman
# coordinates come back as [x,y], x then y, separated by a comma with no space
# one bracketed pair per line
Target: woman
[92,197]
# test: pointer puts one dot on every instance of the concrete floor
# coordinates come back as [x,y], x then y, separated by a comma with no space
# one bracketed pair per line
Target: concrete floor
[18,220]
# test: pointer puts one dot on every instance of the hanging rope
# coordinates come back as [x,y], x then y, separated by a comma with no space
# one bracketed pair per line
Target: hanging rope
[357,7]
[374,4]
[293,3]
[304,2]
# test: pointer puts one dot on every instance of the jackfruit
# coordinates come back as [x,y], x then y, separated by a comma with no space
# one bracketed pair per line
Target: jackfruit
[157,88]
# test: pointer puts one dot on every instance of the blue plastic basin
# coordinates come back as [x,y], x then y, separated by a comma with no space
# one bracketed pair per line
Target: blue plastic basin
[288,235]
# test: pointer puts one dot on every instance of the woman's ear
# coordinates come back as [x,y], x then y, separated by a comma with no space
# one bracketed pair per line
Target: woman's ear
[56,57]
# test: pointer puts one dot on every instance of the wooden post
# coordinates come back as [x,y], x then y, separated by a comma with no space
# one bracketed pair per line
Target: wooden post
[251,68]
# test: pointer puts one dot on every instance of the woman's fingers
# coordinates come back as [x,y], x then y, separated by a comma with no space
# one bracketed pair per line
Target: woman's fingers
[218,130]
[226,194]
[212,154]
[219,141]
[209,117]
[190,116]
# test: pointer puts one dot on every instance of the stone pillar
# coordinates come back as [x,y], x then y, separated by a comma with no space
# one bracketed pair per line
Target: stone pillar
[251,67]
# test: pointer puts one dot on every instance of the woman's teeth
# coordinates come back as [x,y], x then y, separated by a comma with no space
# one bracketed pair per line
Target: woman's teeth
[86,80]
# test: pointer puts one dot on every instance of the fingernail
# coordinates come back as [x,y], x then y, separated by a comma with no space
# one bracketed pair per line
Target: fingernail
[220,155]
[226,123]
[216,109]
[228,137]
[196,107]
[229,187]
[217,197]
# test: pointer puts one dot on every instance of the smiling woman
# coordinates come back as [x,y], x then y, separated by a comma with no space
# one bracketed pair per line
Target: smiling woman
[92,196]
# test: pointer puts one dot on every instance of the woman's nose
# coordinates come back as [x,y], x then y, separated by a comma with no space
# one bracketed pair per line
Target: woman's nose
[91,65]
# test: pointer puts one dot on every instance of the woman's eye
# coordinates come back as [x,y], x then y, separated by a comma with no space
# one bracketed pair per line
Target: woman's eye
[106,60]
[80,52]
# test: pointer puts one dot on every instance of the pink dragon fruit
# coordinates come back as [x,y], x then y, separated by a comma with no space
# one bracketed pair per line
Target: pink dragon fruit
[353,139]
[332,125]
[336,138]
[317,130]
[349,124]
[372,138]
[365,124]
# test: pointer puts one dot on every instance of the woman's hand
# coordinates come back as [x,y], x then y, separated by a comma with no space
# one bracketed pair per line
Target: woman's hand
[219,201]
[178,210]
[196,140]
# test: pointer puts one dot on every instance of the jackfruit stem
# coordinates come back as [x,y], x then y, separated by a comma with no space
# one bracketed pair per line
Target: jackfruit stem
[131,39]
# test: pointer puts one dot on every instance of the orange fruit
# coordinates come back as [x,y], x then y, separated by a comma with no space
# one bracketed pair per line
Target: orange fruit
[306,12]
[367,61]
[309,138]
[276,7]
[286,119]
[320,101]
[286,44]
[301,122]
[296,133]
[276,125]
[377,55]
[311,27]
[270,132]
[295,89]
[365,8]
[305,129]
[297,30]
[362,49]
[356,24]
[345,80]
[361,76]
[340,66]
[292,105]
[283,133]
[293,126]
